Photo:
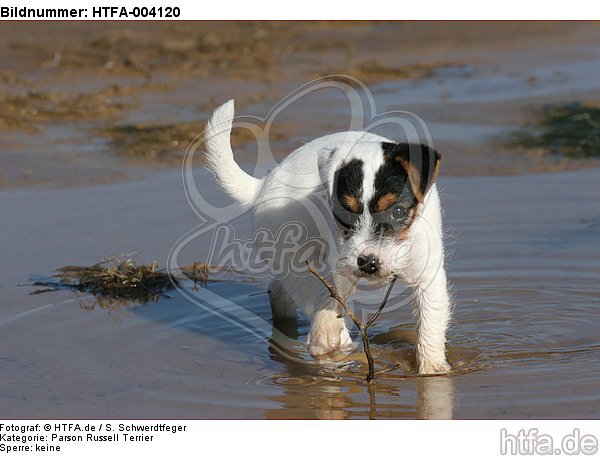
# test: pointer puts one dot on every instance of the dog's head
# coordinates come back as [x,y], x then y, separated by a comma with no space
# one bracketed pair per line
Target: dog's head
[376,190]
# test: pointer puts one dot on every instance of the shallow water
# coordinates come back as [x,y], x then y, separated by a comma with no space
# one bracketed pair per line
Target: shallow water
[524,341]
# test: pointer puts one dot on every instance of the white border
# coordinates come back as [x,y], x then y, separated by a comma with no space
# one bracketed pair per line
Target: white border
[348,10]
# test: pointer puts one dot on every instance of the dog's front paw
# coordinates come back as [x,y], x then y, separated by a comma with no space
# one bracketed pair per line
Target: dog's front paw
[327,334]
[429,367]
[322,342]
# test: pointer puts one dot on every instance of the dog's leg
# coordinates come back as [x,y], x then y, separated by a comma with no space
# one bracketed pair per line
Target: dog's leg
[282,305]
[426,276]
[432,309]
[329,333]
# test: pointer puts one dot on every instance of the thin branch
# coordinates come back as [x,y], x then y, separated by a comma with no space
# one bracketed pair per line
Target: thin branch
[385,299]
[335,295]
[389,369]
[359,324]
[352,288]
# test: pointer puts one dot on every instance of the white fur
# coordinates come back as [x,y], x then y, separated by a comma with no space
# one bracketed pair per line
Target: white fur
[219,157]
[294,191]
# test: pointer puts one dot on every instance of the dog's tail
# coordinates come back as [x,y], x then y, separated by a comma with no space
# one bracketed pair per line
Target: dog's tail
[219,157]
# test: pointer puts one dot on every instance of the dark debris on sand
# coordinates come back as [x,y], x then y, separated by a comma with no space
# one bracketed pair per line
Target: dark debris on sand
[572,130]
[121,278]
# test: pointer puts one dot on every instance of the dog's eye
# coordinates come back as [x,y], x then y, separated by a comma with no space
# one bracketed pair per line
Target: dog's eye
[398,213]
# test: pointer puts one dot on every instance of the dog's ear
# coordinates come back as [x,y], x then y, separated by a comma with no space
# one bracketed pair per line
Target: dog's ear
[325,163]
[420,163]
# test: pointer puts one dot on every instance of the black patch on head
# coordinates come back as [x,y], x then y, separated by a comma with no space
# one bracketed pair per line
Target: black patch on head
[347,183]
[423,162]
[392,178]
[405,175]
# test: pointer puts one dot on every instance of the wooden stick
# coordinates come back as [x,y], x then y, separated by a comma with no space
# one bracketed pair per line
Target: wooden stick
[357,321]
[384,302]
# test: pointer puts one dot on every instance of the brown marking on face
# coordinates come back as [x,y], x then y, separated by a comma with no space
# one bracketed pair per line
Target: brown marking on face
[386,201]
[352,203]
[418,182]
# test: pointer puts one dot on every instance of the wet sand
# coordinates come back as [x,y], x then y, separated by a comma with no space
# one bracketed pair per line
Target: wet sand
[523,228]
[90,103]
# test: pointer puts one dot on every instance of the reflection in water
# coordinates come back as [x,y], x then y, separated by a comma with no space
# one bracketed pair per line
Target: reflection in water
[338,390]
[115,307]
[331,389]
[435,398]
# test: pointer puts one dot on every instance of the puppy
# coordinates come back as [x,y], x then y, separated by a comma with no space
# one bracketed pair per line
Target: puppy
[383,205]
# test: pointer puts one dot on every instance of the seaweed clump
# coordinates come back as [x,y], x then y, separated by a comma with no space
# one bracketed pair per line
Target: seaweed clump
[121,279]
[118,282]
[572,130]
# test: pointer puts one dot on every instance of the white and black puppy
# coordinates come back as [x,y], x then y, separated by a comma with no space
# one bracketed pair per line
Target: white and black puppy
[382,199]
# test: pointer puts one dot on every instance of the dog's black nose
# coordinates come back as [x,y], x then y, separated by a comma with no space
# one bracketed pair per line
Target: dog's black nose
[368,264]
